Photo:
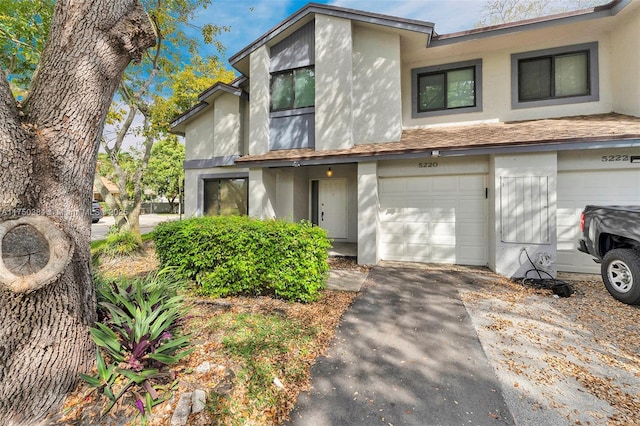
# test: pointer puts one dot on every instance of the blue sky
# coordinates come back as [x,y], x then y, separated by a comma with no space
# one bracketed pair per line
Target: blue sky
[249,19]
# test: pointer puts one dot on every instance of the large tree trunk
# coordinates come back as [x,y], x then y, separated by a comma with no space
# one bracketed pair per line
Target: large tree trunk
[48,149]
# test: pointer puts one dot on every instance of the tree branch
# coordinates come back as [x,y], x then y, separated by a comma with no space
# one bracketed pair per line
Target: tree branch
[124,130]
[116,39]
[16,152]
[148,144]
[135,99]
[8,108]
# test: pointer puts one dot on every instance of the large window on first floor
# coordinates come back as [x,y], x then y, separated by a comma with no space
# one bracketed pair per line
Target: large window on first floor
[447,89]
[226,197]
[293,89]
[555,76]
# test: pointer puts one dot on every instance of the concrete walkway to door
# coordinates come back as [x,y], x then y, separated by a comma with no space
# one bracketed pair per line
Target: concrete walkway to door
[405,353]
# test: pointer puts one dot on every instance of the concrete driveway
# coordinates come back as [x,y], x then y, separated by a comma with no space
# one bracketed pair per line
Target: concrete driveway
[406,353]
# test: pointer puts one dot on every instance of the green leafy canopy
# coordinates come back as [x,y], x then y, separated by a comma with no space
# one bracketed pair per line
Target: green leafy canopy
[23,30]
[165,173]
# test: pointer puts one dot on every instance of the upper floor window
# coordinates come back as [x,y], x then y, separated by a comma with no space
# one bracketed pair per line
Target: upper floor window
[293,89]
[555,76]
[447,89]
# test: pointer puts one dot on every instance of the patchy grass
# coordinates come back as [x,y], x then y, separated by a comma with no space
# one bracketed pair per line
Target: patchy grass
[252,341]
[273,352]
[98,244]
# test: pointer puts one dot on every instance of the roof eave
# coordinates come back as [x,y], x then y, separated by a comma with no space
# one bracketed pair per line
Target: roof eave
[177,125]
[610,9]
[205,98]
[435,151]
[237,60]
[219,88]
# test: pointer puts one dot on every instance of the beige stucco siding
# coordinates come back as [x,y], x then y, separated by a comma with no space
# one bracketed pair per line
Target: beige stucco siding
[334,77]
[368,204]
[292,194]
[199,136]
[226,133]
[625,64]
[216,131]
[495,53]
[191,192]
[259,105]
[377,106]
[262,193]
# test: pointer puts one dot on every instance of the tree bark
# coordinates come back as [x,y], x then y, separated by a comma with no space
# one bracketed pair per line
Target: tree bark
[48,151]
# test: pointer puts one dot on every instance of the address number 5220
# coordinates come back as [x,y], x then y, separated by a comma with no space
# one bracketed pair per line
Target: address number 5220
[430,164]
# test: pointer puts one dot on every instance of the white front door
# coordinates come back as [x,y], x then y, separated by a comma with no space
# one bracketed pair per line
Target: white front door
[332,207]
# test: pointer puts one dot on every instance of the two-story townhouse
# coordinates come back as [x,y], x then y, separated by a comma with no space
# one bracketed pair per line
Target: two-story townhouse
[476,148]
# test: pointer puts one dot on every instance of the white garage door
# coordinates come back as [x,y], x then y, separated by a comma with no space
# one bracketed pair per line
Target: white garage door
[439,219]
[579,188]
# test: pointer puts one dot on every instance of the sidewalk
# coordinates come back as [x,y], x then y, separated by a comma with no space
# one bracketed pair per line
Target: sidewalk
[147,223]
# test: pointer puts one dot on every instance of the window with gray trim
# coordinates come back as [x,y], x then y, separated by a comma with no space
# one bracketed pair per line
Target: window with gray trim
[293,89]
[226,197]
[555,76]
[447,89]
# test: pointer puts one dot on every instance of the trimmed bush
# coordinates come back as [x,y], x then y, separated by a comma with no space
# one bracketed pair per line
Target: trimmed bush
[237,255]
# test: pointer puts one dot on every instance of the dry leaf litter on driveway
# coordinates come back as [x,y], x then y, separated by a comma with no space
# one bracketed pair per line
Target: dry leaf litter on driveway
[573,361]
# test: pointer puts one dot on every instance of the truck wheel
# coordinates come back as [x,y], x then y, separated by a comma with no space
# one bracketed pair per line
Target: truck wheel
[621,275]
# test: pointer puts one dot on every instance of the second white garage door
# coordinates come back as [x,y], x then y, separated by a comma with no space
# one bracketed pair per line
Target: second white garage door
[583,187]
[439,219]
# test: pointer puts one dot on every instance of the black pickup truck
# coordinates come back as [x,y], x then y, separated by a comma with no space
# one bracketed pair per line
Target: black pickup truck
[611,234]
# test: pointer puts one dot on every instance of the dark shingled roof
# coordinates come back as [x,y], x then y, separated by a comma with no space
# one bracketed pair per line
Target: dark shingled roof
[586,128]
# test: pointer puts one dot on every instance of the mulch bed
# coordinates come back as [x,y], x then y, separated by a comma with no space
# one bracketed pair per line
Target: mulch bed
[575,360]
[83,407]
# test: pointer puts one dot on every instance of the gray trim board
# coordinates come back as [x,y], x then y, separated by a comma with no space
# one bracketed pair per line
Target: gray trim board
[456,152]
[207,163]
[544,147]
[292,112]
[222,87]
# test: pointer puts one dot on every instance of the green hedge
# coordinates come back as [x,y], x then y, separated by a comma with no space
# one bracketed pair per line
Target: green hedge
[238,255]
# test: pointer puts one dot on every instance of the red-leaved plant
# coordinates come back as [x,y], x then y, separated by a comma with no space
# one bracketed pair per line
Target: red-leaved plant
[138,340]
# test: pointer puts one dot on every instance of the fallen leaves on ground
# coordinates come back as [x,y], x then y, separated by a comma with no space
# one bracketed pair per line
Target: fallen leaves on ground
[579,356]
[348,263]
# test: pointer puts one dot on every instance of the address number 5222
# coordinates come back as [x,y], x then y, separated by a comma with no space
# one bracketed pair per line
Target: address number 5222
[608,158]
